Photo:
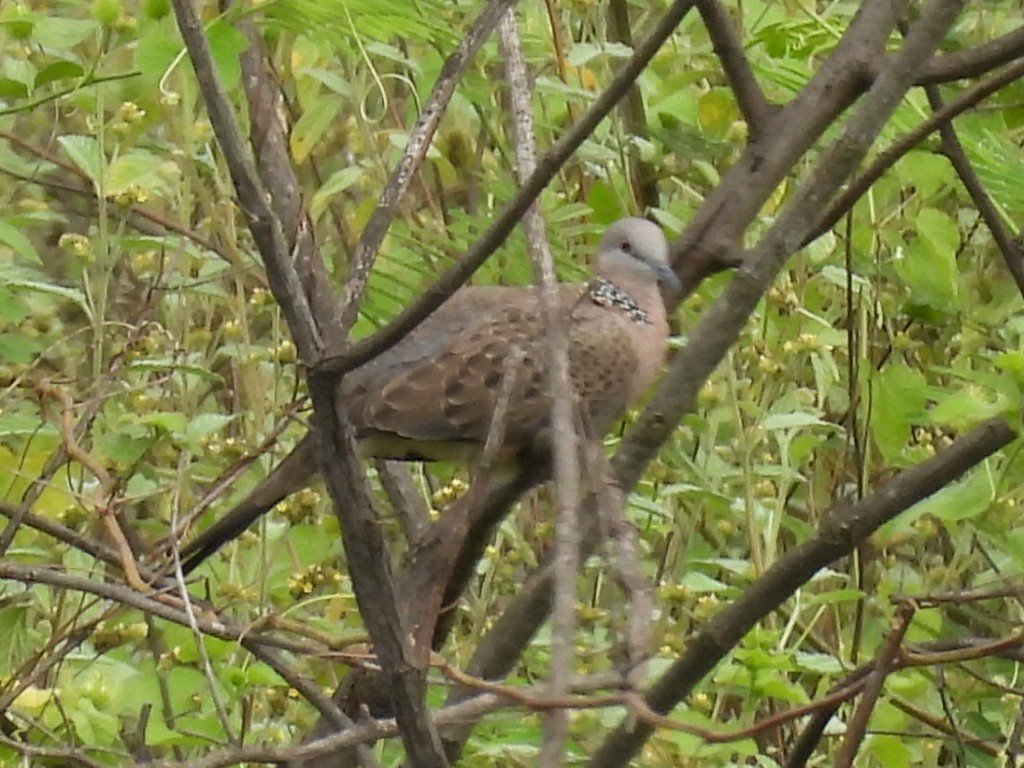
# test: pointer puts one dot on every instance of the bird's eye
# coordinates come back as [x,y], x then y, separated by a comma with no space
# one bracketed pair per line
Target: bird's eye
[626,247]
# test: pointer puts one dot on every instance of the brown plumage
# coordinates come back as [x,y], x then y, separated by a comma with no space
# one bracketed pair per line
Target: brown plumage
[432,396]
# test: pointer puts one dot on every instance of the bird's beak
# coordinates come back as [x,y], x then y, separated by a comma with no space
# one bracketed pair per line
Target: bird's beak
[668,279]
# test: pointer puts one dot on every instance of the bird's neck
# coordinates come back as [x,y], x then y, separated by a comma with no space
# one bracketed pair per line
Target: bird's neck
[605,293]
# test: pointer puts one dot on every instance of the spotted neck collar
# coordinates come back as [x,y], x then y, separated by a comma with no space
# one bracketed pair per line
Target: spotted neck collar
[607,294]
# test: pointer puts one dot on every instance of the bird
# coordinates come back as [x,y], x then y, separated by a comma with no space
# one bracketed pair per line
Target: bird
[431,397]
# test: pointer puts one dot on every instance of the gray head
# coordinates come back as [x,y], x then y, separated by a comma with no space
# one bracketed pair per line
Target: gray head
[637,250]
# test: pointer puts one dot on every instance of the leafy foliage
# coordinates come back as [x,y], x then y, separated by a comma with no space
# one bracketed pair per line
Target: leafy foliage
[129,282]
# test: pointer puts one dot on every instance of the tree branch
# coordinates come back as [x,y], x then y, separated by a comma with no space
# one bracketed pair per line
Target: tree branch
[888,157]
[404,170]
[729,48]
[837,538]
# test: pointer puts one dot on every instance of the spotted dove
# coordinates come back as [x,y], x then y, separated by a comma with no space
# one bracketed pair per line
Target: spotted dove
[432,396]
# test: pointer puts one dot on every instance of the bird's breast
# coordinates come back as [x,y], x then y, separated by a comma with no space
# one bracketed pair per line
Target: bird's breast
[649,347]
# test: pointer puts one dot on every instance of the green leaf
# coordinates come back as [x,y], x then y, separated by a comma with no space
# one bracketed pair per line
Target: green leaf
[340,22]
[779,688]
[259,673]
[12,89]
[16,240]
[702,583]
[581,53]
[928,264]
[924,171]
[313,124]
[940,231]
[125,447]
[102,726]
[966,407]
[962,501]
[1013,364]
[42,286]
[206,424]
[742,568]
[794,420]
[164,364]
[159,734]
[172,423]
[58,70]
[184,683]
[338,182]
[137,168]
[838,277]
[604,202]
[81,715]
[552,86]
[21,22]
[887,750]
[24,424]
[821,663]
[900,396]
[84,152]
[20,70]
[155,54]
[226,44]
[389,52]
[834,596]
[716,112]
[908,685]
[932,277]
[707,171]
[331,80]
[63,33]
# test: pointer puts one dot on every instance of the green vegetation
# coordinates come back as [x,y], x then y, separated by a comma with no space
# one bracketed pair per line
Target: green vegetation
[143,357]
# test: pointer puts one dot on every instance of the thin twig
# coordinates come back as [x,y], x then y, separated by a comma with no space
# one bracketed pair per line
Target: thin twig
[729,48]
[206,621]
[564,440]
[105,492]
[1009,246]
[857,726]
[190,614]
[974,62]
[888,157]
[642,175]
[415,151]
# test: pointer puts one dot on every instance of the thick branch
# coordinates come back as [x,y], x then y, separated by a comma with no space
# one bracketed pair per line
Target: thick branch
[369,564]
[721,220]
[974,61]
[362,537]
[837,538]
[887,158]
[722,324]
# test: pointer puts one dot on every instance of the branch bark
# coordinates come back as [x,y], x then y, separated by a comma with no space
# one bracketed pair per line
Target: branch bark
[837,538]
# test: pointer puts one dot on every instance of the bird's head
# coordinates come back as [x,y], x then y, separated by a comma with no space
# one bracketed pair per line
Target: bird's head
[634,250]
